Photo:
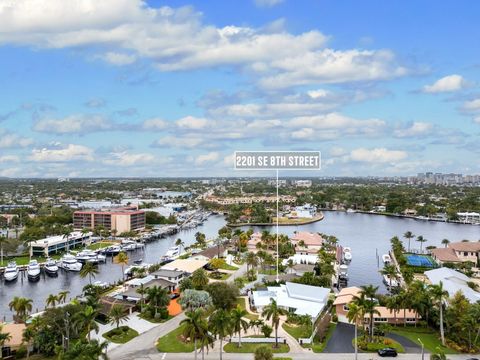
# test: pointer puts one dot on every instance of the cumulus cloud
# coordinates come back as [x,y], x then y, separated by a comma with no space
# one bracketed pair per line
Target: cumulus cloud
[377,155]
[190,141]
[446,84]
[73,124]
[155,124]
[9,140]
[62,153]
[128,159]
[267,3]
[192,123]
[118,58]
[471,105]
[414,130]
[207,158]
[9,158]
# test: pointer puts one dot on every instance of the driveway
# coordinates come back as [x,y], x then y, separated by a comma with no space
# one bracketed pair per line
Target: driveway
[409,346]
[341,340]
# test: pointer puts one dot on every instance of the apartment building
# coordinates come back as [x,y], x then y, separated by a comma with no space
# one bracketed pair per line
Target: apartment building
[118,219]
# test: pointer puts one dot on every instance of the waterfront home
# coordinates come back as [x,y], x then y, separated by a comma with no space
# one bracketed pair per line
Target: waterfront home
[399,317]
[296,298]
[469,217]
[16,339]
[54,244]
[457,252]
[188,266]
[410,212]
[171,275]
[306,211]
[453,281]
[131,293]
[306,242]
[213,252]
[255,238]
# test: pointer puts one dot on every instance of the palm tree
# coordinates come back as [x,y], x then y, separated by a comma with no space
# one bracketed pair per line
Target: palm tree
[421,240]
[121,259]
[117,315]
[439,295]
[22,307]
[3,240]
[62,296]
[84,232]
[52,300]
[4,337]
[445,242]
[354,315]
[28,335]
[391,272]
[199,279]
[220,324]
[273,311]
[67,230]
[90,270]
[394,304]
[251,260]
[369,303]
[141,291]
[180,244]
[194,327]
[370,308]
[157,297]
[408,235]
[86,320]
[290,265]
[238,322]
[200,240]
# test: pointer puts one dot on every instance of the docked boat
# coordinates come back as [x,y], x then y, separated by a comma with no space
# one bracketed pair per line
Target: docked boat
[33,270]
[347,254]
[343,272]
[11,271]
[131,269]
[86,255]
[70,263]
[129,246]
[172,253]
[51,267]
[393,283]
[112,250]
[386,259]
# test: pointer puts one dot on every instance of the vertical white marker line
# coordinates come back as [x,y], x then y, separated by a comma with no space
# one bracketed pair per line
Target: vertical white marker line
[277,230]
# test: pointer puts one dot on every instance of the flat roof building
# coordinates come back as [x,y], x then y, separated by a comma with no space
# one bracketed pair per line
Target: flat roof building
[54,244]
[120,220]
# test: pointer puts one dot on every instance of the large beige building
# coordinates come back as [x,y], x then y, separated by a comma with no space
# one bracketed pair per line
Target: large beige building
[119,220]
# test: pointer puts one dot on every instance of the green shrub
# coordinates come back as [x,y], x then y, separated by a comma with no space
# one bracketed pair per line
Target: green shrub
[263,353]
[21,352]
[267,330]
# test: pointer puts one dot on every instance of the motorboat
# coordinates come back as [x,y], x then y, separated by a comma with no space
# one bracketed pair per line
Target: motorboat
[51,267]
[347,254]
[129,271]
[343,272]
[390,282]
[100,284]
[139,245]
[70,263]
[86,255]
[112,250]
[33,270]
[11,271]
[386,259]
[129,246]
[172,253]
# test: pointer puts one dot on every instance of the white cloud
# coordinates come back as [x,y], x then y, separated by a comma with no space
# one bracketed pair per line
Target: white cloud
[10,140]
[155,124]
[118,58]
[179,141]
[446,84]
[472,105]
[377,155]
[128,159]
[337,151]
[60,153]
[11,172]
[476,120]
[267,3]
[206,158]
[9,158]
[192,123]
[415,129]
[73,124]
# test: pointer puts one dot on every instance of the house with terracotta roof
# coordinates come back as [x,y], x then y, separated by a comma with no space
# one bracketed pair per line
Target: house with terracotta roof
[16,338]
[399,317]
[307,242]
[255,239]
[458,252]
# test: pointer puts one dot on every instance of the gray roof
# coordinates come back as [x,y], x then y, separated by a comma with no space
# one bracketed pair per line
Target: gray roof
[167,273]
[132,292]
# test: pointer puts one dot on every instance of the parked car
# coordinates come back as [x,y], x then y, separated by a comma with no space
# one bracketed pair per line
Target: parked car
[174,295]
[387,352]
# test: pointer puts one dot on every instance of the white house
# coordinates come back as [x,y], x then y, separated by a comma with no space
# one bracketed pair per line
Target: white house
[453,282]
[297,298]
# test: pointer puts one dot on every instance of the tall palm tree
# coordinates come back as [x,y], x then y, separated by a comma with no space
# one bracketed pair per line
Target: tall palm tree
[121,259]
[4,337]
[141,291]
[445,242]
[370,308]
[421,240]
[62,296]
[180,244]
[27,337]
[194,326]
[273,311]
[238,322]
[439,295]
[220,324]
[90,270]
[157,297]
[409,236]
[391,272]
[86,320]
[22,307]
[405,302]
[354,315]
[117,315]
[199,279]
[394,304]
[251,260]
[52,300]
[66,232]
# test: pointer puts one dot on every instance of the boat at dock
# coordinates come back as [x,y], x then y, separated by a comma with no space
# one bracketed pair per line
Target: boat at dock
[171,253]
[11,271]
[70,263]
[129,271]
[386,259]
[389,282]
[112,250]
[33,270]
[347,254]
[51,267]
[91,256]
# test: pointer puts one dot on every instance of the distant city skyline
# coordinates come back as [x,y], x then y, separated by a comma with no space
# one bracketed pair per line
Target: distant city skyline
[131,88]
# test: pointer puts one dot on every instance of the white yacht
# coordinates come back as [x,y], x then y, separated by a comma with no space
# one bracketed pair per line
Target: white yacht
[33,270]
[11,271]
[86,255]
[343,272]
[130,270]
[172,253]
[386,259]
[390,282]
[70,263]
[129,246]
[51,267]
[347,254]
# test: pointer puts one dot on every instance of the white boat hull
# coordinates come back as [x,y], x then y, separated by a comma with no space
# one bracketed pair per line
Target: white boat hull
[72,267]
[11,276]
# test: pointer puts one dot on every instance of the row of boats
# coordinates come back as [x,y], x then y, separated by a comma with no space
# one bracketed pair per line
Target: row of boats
[33,270]
[388,280]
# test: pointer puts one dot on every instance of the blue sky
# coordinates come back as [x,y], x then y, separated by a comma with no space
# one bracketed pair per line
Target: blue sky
[133,88]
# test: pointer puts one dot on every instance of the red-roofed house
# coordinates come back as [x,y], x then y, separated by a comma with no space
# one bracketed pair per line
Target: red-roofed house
[307,242]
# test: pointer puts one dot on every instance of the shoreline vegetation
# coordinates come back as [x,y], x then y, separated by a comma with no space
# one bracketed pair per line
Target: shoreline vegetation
[282,222]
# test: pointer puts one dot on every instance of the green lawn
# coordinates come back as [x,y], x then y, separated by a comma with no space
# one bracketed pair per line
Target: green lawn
[318,347]
[241,303]
[173,342]
[100,245]
[121,335]
[146,316]
[429,337]
[225,266]
[373,347]
[250,348]
[24,260]
[298,331]
[268,271]
[224,276]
